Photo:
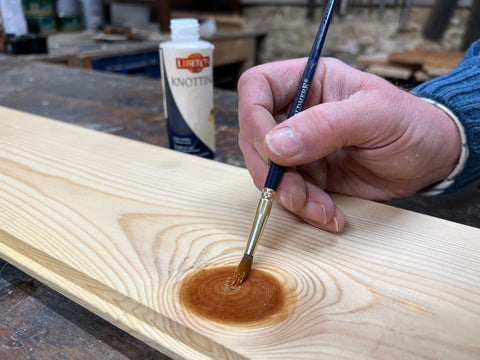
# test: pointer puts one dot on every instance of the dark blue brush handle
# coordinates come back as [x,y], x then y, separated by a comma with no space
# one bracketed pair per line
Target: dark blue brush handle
[276,171]
[274,175]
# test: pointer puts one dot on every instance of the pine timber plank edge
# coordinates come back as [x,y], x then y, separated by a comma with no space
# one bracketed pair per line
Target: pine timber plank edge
[366,215]
[110,304]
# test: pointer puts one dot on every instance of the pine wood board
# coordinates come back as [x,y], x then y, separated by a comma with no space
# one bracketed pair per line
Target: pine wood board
[375,59]
[390,71]
[443,59]
[116,224]
[422,64]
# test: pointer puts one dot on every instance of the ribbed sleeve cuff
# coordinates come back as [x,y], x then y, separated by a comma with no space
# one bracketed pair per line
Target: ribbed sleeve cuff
[459,91]
[439,188]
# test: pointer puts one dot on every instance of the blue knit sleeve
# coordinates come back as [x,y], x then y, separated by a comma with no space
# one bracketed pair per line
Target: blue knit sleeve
[459,91]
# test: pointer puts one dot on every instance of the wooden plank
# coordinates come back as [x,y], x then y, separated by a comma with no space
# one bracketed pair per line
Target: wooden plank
[116,225]
[436,58]
[230,48]
[376,59]
[231,51]
[422,64]
[390,71]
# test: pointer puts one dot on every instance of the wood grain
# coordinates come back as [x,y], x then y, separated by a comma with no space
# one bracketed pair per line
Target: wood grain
[443,59]
[422,64]
[116,225]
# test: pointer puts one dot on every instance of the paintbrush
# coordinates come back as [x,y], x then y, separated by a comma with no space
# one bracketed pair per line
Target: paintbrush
[275,172]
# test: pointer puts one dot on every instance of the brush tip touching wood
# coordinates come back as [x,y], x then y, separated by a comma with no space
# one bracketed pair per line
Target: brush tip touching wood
[275,171]
[242,271]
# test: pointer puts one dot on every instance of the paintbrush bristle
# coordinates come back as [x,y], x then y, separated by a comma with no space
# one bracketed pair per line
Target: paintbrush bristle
[242,271]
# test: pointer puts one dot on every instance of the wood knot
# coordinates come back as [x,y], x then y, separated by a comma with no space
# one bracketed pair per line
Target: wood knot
[260,301]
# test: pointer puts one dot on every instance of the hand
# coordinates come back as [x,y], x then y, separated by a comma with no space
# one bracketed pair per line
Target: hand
[358,135]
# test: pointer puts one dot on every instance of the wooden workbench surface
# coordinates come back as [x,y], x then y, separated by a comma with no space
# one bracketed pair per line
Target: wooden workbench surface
[35,320]
[78,49]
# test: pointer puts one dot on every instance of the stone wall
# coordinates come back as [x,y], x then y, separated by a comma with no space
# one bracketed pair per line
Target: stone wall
[362,31]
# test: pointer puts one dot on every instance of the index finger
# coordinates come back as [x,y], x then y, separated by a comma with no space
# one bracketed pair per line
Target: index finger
[265,96]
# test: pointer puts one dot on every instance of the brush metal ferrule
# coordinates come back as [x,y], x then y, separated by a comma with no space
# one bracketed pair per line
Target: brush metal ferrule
[261,215]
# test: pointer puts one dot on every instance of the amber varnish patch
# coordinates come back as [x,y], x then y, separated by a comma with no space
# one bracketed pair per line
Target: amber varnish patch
[261,300]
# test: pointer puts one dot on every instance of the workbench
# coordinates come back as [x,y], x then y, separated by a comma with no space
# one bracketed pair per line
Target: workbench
[36,321]
[236,49]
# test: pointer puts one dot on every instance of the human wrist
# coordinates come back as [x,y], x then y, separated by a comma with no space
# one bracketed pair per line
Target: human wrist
[461,142]
[458,90]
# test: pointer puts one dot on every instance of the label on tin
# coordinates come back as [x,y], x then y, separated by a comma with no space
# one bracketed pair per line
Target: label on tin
[187,77]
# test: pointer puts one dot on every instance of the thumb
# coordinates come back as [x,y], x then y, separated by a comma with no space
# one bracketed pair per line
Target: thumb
[322,129]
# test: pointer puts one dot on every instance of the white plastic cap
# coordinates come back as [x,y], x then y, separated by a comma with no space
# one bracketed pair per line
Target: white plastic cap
[184,29]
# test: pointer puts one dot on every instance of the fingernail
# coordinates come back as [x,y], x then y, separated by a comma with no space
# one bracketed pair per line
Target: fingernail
[286,197]
[258,145]
[316,211]
[336,223]
[284,142]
